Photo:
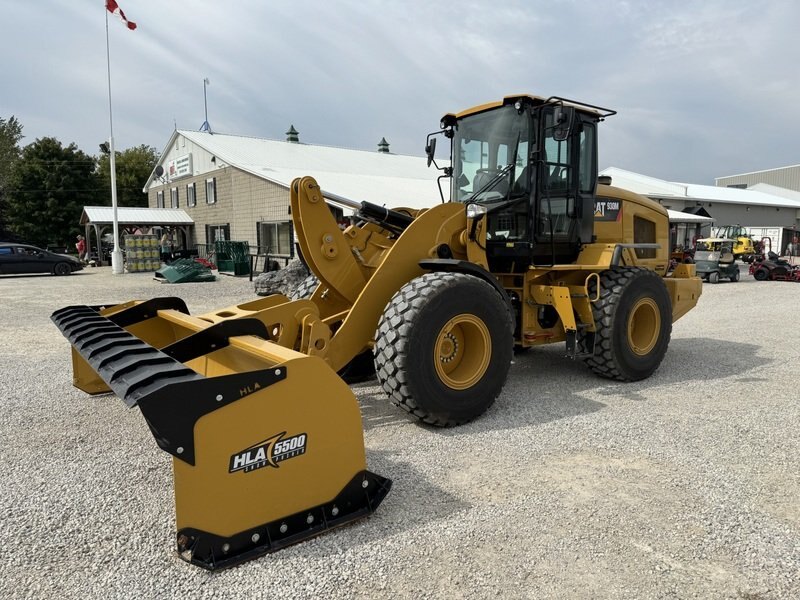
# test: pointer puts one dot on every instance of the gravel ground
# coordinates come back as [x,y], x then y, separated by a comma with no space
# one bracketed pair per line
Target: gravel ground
[682,486]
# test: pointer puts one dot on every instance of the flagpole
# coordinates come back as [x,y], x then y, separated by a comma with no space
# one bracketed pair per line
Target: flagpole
[116,254]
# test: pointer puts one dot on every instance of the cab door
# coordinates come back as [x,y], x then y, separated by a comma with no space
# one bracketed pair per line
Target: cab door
[567,180]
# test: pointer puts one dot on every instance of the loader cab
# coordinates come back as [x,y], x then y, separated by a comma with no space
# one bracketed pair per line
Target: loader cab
[528,166]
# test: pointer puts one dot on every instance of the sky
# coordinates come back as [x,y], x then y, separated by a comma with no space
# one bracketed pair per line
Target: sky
[702,89]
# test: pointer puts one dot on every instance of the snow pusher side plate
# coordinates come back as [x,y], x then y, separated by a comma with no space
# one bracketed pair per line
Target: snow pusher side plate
[267,442]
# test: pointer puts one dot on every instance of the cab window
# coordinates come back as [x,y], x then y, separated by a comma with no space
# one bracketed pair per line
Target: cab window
[644,232]
[586,167]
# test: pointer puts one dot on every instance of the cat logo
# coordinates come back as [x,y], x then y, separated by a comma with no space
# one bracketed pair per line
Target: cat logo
[607,210]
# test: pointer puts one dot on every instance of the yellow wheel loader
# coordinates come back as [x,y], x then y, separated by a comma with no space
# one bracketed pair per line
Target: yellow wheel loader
[743,246]
[531,249]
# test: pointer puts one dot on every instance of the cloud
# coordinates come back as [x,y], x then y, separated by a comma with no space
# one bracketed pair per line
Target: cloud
[702,90]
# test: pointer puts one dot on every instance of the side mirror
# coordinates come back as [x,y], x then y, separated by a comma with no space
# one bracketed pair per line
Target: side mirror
[562,118]
[430,150]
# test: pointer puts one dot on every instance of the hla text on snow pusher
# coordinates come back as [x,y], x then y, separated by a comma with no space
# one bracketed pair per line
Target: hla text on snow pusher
[531,249]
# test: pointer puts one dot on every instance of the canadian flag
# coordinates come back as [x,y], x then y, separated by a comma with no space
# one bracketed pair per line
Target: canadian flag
[114,8]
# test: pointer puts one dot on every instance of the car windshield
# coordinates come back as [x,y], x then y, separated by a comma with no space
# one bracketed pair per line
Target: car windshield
[490,151]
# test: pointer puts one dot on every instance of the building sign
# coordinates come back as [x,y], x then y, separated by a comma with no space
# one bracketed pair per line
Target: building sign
[180,167]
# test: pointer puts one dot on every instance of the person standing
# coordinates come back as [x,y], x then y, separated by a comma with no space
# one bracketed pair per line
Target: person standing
[166,247]
[80,246]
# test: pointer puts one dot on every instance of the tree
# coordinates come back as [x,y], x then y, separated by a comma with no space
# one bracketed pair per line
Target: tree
[133,167]
[50,185]
[10,135]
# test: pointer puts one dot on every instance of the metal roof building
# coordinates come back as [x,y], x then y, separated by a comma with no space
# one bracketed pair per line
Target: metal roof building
[136,216]
[782,177]
[101,218]
[771,210]
[237,187]
[682,194]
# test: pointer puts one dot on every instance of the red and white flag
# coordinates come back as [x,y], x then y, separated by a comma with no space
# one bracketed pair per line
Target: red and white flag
[114,8]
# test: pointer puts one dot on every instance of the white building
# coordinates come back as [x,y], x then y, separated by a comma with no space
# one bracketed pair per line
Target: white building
[237,188]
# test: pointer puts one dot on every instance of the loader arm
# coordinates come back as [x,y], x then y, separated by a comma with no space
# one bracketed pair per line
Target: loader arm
[361,268]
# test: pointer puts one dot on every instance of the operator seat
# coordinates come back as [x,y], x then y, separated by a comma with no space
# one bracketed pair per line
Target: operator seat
[483,176]
[727,258]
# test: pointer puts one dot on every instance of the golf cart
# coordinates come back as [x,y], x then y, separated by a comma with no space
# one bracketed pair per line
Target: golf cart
[714,260]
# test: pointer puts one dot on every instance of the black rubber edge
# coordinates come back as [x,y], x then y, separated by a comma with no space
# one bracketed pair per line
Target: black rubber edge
[172,409]
[214,552]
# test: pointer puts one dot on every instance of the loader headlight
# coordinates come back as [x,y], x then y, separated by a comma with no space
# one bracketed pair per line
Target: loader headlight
[475,211]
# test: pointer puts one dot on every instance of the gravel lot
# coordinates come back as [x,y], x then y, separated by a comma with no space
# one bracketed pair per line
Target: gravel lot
[682,486]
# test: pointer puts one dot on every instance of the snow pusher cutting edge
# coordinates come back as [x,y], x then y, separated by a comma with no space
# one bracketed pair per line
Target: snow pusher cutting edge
[267,442]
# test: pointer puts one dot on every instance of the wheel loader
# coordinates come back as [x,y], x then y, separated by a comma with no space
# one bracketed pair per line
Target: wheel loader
[743,247]
[530,249]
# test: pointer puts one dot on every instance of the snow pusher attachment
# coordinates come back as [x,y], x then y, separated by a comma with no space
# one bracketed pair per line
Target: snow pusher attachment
[266,441]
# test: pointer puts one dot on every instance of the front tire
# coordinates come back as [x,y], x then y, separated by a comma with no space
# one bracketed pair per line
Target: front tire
[761,274]
[62,268]
[713,277]
[735,276]
[443,347]
[633,318]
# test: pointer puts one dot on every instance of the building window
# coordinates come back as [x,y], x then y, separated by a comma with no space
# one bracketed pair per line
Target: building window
[276,239]
[218,233]
[211,190]
[190,197]
[173,197]
[160,199]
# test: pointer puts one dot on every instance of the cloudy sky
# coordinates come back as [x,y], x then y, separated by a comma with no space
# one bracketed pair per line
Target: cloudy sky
[703,89]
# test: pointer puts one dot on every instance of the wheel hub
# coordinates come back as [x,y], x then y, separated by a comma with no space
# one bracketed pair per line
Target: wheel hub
[462,351]
[644,326]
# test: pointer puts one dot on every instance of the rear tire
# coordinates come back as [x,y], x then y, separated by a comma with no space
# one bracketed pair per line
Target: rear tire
[443,347]
[62,268]
[633,318]
[735,276]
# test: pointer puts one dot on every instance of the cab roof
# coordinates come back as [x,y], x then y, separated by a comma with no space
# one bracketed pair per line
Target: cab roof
[534,100]
[715,240]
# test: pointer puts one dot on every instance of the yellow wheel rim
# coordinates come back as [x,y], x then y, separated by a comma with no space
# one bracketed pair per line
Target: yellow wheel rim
[462,351]
[644,326]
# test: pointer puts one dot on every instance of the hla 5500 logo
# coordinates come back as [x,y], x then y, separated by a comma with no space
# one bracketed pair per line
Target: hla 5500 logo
[268,453]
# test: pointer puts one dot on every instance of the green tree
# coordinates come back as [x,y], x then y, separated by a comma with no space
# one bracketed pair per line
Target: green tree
[50,185]
[10,135]
[133,167]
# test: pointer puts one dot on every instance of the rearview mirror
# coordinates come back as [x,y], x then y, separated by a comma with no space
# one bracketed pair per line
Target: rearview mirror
[562,122]
[430,150]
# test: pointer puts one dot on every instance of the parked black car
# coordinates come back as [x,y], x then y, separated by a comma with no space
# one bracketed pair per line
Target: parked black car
[23,258]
